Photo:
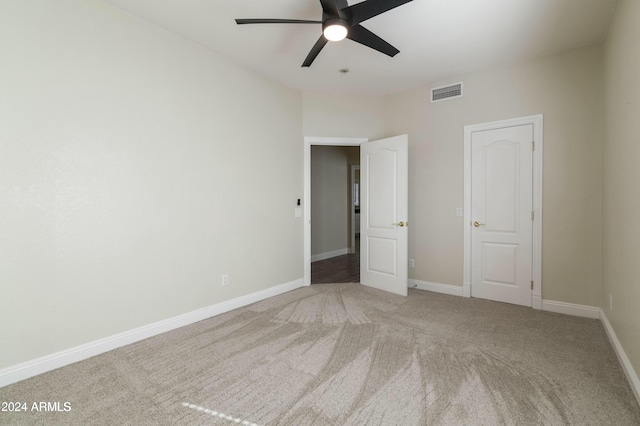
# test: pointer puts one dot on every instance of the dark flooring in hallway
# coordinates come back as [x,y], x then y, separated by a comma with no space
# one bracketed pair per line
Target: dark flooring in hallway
[339,269]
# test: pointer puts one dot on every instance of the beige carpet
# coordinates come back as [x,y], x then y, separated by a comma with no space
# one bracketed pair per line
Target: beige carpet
[344,354]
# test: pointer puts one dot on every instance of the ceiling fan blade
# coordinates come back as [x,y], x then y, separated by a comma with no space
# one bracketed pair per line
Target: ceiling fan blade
[370,8]
[275,21]
[314,51]
[362,35]
[330,7]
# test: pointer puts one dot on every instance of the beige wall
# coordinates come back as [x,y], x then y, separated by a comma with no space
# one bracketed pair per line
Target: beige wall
[343,116]
[567,89]
[125,190]
[621,203]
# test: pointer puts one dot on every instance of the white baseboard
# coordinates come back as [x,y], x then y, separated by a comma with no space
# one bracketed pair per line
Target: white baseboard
[631,374]
[330,254]
[536,301]
[466,290]
[571,309]
[41,365]
[453,290]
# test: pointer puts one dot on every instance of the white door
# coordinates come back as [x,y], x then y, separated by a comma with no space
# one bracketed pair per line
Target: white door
[383,214]
[502,214]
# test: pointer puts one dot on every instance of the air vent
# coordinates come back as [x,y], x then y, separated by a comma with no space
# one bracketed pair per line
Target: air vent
[443,93]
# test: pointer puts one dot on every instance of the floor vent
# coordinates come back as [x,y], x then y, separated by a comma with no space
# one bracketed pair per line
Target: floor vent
[443,93]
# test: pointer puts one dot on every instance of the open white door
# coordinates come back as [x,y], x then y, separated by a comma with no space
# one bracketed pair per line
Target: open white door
[383,214]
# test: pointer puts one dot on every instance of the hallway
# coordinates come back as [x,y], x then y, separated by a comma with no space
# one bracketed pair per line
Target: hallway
[339,269]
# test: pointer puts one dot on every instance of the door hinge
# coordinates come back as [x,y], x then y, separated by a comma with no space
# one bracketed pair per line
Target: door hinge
[533,146]
[531,285]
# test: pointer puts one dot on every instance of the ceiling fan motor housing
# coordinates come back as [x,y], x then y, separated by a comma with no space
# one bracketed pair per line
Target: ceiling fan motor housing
[328,23]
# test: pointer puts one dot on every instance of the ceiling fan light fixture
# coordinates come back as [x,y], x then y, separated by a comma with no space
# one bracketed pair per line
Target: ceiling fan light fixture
[335,29]
[340,21]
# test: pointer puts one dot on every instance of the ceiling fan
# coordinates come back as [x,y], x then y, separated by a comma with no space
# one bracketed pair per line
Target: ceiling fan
[339,21]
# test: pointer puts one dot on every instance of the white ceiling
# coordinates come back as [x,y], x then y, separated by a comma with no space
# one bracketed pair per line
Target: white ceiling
[437,39]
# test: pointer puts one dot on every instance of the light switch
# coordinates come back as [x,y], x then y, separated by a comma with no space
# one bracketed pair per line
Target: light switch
[459,211]
[297,212]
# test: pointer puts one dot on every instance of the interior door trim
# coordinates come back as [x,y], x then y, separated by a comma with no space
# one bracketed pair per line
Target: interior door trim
[308,141]
[537,122]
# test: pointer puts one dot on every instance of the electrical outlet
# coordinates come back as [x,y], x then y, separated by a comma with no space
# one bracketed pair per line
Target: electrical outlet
[610,302]
[225,279]
[412,263]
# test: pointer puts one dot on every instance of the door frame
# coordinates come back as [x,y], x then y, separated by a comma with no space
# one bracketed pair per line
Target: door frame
[308,141]
[536,241]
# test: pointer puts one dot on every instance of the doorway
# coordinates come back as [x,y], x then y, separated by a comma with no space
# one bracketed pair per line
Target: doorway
[354,202]
[308,143]
[334,200]
[384,209]
[503,211]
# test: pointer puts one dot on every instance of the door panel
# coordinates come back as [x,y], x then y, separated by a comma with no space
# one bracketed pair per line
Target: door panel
[382,255]
[499,263]
[501,206]
[383,214]
[501,180]
[383,178]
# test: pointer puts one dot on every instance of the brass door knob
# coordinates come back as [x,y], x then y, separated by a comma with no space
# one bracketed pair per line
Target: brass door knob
[477,224]
[401,224]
